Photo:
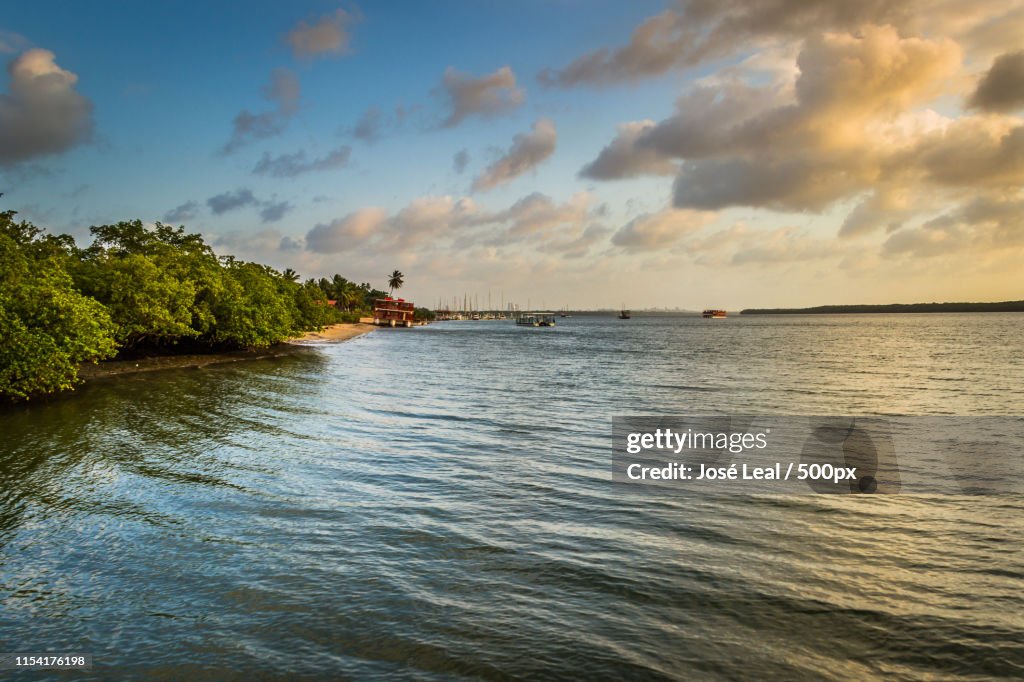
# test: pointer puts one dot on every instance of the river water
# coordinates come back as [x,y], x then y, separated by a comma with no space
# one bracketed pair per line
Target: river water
[436,503]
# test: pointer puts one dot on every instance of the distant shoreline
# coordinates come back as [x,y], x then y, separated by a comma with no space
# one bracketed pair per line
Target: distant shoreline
[999,307]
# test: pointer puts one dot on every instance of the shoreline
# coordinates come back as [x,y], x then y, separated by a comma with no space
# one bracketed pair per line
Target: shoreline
[336,333]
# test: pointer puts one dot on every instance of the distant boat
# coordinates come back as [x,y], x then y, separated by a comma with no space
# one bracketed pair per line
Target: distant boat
[714,314]
[536,320]
[625,314]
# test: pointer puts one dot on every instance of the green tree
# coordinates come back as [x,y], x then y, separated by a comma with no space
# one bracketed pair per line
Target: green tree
[290,275]
[351,297]
[313,310]
[47,328]
[254,311]
[160,284]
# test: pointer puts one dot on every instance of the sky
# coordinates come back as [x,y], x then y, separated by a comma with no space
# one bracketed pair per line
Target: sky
[587,154]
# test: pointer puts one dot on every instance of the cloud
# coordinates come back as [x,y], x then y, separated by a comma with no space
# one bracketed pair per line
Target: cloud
[284,91]
[274,211]
[623,159]
[852,119]
[41,114]
[373,123]
[653,231]
[291,165]
[346,233]
[984,224]
[784,245]
[182,213]
[445,224]
[229,201]
[484,97]
[23,173]
[329,35]
[972,152]
[368,126]
[528,150]
[1002,88]
[429,218]
[460,161]
[539,213]
[12,42]
[699,31]
[739,245]
[260,244]
[706,29]
[578,247]
[884,207]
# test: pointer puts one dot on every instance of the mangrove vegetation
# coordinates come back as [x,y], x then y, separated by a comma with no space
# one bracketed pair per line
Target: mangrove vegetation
[142,290]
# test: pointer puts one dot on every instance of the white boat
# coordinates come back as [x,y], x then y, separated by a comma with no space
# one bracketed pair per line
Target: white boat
[536,320]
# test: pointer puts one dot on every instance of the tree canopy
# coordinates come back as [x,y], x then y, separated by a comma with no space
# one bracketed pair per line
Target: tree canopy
[139,289]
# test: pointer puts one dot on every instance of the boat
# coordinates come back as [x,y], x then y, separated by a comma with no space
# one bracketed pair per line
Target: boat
[535,320]
[714,314]
[625,314]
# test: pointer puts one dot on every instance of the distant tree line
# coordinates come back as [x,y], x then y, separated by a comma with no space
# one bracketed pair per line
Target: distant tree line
[137,290]
[1000,307]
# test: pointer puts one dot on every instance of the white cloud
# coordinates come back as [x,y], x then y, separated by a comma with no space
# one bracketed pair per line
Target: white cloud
[183,213]
[229,201]
[291,165]
[484,97]
[654,231]
[528,150]
[444,224]
[699,31]
[328,35]
[348,233]
[283,90]
[622,158]
[41,114]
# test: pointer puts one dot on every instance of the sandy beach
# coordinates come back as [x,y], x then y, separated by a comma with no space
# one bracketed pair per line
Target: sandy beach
[334,333]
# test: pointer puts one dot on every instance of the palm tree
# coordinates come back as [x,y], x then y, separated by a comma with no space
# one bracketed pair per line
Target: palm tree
[351,296]
[338,284]
[290,275]
[396,281]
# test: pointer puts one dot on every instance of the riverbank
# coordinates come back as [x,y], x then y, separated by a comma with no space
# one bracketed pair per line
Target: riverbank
[335,333]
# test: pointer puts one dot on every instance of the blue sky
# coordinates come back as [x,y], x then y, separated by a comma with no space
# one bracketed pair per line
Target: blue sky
[673,220]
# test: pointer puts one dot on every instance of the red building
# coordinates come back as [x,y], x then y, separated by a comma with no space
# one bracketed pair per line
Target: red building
[393,312]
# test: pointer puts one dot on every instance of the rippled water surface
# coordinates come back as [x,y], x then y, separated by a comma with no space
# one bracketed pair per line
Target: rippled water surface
[436,503]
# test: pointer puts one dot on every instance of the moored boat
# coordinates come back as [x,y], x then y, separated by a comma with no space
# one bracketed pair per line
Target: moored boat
[714,314]
[535,320]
